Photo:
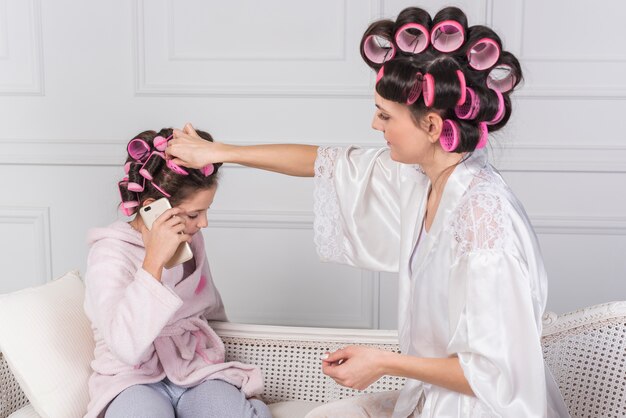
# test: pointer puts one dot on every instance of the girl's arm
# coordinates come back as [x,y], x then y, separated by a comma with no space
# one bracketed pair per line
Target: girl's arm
[189,149]
[362,366]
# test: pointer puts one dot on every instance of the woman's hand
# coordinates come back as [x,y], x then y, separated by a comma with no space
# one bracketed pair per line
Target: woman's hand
[162,240]
[188,149]
[355,367]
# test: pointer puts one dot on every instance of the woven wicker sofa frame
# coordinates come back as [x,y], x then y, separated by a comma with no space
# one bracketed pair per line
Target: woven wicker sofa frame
[586,351]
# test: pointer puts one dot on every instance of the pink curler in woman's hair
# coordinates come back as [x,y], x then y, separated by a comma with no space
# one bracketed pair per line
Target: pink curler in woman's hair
[412,38]
[428,90]
[470,106]
[207,170]
[462,86]
[484,135]
[501,78]
[449,138]
[483,54]
[138,149]
[416,90]
[378,49]
[447,36]
[501,109]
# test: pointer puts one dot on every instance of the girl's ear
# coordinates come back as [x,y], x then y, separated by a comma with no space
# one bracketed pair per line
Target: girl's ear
[433,123]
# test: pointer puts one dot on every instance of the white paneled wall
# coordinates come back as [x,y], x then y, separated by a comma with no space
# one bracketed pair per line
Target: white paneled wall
[79,79]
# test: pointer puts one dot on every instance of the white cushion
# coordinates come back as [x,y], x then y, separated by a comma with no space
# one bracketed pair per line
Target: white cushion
[47,341]
[292,409]
[26,412]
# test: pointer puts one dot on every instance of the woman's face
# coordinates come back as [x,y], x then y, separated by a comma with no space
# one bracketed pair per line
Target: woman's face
[408,143]
[195,210]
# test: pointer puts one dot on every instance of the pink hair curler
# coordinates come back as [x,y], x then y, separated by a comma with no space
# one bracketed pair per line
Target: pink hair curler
[470,106]
[134,186]
[428,90]
[163,192]
[483,54]
[462,86]
[207,170]
[138,149]
[412,38]
[449,138]
[447,36]
[145,170]
[160,143]
[501,78]
[416,90]
[484,135]
[378,49]
[380,74]
[127,167]
[176,168]
[501,109]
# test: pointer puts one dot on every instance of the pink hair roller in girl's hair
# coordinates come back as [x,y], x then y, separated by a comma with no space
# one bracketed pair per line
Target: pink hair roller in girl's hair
[207,170]
[483,54]
[447,36]
[160,143]
[449,138]
[380,74]
[176,168]
[412,38]
[138,149]
[144,171]
[416,90]
[378,49]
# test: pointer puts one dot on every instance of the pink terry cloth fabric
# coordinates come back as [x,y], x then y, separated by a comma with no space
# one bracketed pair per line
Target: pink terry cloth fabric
[146,330]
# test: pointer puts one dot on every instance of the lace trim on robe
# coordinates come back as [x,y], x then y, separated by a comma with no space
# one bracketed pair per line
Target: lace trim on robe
[480,222]
[328,234]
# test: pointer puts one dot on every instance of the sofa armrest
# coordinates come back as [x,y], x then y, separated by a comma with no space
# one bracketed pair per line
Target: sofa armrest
[12,397]
[290,358]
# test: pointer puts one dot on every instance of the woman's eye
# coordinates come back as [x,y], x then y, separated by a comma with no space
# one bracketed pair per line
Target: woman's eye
[382,116]
[192,216]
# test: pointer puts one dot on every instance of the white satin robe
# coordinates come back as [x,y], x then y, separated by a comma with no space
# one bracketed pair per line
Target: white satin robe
[474,286]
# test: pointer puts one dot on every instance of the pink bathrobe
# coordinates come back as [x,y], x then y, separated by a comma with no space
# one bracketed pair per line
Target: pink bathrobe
[146,330]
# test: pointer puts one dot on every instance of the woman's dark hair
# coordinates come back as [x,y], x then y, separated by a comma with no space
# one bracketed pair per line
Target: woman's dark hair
[165,182]
[401,73]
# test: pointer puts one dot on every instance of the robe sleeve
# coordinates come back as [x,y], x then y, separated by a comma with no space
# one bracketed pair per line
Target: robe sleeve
[129,308]
[497,337]
[357,208]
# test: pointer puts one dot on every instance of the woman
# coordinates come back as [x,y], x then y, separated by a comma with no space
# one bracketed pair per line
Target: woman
[473,287]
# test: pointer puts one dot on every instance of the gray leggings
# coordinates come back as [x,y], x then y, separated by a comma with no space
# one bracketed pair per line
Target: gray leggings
[210,399]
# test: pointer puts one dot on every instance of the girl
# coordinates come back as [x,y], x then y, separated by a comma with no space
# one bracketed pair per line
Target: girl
[473,287]
[155,354]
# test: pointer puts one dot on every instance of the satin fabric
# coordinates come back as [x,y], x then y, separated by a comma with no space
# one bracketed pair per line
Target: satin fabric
[474,286]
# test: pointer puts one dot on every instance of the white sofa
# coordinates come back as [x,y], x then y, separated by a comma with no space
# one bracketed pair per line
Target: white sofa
[586,351]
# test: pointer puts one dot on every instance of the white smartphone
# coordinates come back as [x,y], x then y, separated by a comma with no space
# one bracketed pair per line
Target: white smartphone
[149,213]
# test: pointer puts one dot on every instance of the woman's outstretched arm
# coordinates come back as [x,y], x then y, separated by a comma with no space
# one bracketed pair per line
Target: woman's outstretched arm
[190,150]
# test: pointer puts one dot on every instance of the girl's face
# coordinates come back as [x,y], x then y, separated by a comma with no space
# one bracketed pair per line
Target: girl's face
[408,143]
[195,210]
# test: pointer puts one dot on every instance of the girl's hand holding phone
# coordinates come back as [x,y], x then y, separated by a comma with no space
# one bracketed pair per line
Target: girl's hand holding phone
[162,240]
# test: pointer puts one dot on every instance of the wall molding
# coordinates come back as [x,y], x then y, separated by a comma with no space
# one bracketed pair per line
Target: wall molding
[36,85]
[189,88]
[596,158]
[579,225]
[39,218]
[366,317]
